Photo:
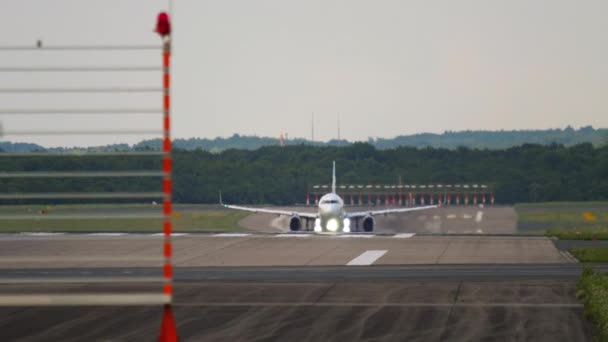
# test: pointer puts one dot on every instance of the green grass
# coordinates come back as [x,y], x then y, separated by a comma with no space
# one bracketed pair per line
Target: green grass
[578,234]
[565,218]
[561,204]
[577,220]
[592,289]
[185,218]
[590,254]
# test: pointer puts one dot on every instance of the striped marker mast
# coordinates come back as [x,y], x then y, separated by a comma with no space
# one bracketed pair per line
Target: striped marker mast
[167,170]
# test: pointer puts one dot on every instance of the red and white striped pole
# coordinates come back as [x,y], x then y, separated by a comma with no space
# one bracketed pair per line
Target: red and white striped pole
[167,169]
[168,332]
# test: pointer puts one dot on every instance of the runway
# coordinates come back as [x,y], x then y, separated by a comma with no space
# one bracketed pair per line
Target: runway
[482,272]
[304,287]
[315,311]
[219,250]
[445,220]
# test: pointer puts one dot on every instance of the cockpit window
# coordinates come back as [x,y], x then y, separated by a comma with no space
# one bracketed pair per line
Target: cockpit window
[329,202]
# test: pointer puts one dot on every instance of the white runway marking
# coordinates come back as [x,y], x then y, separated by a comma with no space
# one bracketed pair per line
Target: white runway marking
[451,216]
[172,234]
[40,234]
[436,217]
[479,231]
[366,258]
[479,216]
[404,235]
[107,234]
[293,235]
[84,299]
[231,234]
[466,217]
[356,236]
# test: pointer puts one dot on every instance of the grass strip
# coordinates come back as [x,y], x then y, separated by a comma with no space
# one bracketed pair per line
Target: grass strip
[590,254]
[592,290]
[187,221]
[578,234]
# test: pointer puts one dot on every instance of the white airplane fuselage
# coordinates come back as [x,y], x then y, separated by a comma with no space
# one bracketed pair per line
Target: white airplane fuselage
[332,217]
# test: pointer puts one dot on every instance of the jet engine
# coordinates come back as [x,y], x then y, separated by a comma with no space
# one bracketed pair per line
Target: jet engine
[295,223]
[368,223]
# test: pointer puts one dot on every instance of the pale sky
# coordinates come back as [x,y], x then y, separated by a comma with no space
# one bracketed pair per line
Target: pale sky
[262,67]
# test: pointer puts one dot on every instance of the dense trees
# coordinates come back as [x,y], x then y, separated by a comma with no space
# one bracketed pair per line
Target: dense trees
[280,175]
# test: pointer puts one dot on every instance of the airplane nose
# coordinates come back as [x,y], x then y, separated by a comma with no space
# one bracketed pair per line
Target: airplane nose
[326,209]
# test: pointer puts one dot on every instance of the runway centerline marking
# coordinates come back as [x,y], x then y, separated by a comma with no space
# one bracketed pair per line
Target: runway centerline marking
[41,233]
[294,235]
[479,216]
[106,234]
[404,235]
[172,234]
[231,234]
[366,258]
[356,236]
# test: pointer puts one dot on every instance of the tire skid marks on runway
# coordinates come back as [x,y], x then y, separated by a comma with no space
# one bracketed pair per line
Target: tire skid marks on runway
[367,258]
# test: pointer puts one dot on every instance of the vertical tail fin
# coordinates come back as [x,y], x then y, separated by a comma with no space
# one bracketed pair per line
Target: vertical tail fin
[333,179]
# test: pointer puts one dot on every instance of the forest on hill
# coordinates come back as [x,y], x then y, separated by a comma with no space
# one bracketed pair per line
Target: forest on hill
[450,140]
[281,175]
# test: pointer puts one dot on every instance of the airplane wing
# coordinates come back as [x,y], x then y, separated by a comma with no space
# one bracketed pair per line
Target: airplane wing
[271,211]
[388,211]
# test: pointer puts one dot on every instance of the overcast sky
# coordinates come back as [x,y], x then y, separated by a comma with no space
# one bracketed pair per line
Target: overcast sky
[262,67]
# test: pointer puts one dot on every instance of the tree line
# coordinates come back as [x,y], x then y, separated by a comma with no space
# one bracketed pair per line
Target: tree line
[450,140]
[281,175]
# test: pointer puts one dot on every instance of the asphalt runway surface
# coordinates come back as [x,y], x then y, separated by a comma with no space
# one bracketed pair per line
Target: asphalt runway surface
[345,310]
[286,287]
[20,251]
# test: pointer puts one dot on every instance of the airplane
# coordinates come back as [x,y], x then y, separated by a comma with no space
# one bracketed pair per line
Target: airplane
[331,216]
